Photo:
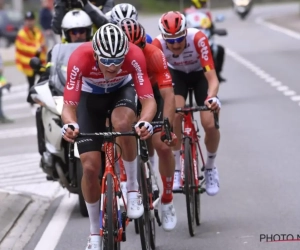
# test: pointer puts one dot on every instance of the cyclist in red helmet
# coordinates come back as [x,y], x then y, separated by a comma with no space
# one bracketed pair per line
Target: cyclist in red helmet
[191,65]
[161,80]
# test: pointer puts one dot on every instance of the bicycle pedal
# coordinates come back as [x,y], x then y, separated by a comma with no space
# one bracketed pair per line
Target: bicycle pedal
[177,191]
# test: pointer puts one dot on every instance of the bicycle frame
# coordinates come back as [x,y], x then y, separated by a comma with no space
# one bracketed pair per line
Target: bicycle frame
[190,129]
[109,169]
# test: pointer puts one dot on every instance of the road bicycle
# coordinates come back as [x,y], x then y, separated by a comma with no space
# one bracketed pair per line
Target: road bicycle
[192,180]
[113,221]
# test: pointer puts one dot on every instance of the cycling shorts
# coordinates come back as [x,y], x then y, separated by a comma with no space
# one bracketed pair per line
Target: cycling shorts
[183,81]
[92,112]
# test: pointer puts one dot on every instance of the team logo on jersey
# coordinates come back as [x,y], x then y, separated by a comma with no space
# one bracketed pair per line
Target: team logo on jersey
[72,77]
[204,49]
[167,75]
[139,72]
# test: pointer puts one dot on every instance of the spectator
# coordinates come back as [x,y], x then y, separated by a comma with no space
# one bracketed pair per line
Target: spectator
[45,22]
[30,42]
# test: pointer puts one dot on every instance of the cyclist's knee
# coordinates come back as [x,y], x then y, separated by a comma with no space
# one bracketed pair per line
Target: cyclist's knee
[161,148]
[122,119]
[207,121]
[91,165]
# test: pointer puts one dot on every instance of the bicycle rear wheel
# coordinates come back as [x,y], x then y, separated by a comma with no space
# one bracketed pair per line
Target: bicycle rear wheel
[111,222]
[189,185]
[144,220]
[198,192]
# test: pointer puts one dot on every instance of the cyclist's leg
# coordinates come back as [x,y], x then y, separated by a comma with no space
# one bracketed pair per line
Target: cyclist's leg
[166,164]
[212,135]
[91,115]
[123,116]
[181,91]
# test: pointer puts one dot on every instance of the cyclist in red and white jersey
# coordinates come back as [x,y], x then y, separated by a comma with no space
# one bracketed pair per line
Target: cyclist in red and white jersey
[100,76]
[191,65]
[161,80]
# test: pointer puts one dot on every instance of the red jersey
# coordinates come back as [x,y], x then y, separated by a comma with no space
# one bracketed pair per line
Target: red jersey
[83,74]
[157,67]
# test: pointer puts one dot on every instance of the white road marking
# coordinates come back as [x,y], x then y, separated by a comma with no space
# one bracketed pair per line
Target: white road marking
[57,224]
[278,28]
[285,90]
[22,174]
[17,132]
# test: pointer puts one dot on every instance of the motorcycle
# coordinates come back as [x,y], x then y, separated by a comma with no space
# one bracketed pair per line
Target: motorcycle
[242,7]
[59,159]
[201,21]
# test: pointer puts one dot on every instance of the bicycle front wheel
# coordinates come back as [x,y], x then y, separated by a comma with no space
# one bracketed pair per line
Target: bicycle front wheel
[189,184]
[144,220]
[111,224]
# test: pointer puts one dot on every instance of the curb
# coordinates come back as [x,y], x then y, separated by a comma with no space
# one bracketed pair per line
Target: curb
[12,208]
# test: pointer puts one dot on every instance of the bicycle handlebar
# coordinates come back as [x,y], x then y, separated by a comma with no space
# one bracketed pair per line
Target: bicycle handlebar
[200,108]
[111,135]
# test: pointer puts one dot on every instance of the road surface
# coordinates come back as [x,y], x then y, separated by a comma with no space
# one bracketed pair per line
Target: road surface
[258,158]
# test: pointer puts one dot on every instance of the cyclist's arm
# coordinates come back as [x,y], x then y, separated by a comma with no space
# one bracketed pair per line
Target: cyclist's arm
[73,88]
[60,10]
[164,82]
[207,62]
[157,43]
[143,86]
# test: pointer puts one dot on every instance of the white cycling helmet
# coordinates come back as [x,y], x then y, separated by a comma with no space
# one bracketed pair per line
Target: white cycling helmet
[110,41]
[75,19]
[123,10]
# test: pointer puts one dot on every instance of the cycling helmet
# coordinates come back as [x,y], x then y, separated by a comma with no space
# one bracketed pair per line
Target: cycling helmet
[134,31]
[110,41]
[75,19]
[172,23]
[123,10]
[199,3]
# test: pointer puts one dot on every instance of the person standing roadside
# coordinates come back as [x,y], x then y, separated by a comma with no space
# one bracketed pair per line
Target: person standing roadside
[30,42]
[45,19]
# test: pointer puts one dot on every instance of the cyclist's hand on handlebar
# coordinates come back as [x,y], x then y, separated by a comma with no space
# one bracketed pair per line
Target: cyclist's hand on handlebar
[70,131]
[213,103]
[171,143]
[144,129]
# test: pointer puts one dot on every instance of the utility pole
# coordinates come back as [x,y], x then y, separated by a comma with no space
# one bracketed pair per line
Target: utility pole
[18,5]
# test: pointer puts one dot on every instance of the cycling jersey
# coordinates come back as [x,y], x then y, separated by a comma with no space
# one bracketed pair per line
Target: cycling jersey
[195,57]
[148,38]
[83,74]
[157,67]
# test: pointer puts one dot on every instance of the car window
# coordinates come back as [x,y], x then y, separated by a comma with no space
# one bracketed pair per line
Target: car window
[14,16]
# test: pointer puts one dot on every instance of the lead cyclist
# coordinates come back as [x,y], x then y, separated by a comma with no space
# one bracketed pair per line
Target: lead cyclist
[191,65]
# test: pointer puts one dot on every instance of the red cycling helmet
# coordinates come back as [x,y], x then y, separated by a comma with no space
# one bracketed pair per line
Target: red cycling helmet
[172,23]
[134,31]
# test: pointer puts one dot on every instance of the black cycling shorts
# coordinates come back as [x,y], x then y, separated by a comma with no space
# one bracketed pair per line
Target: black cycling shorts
[92,112]
[183,81]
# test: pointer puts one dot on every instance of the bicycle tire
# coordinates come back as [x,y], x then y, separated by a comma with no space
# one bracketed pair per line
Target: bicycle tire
[144,220]
[109,238]
[188,182]
[82,204]
[152,229]
[197,194]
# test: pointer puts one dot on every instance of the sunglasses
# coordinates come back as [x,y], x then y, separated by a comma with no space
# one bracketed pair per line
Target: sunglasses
[175,40]
[111,61]
[78,31]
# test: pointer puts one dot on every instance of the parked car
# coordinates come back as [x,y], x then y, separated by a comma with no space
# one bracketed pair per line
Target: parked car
[10,23]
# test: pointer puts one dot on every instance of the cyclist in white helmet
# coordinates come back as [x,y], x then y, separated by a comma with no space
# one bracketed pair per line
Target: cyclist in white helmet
[102,75]
[121,11]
